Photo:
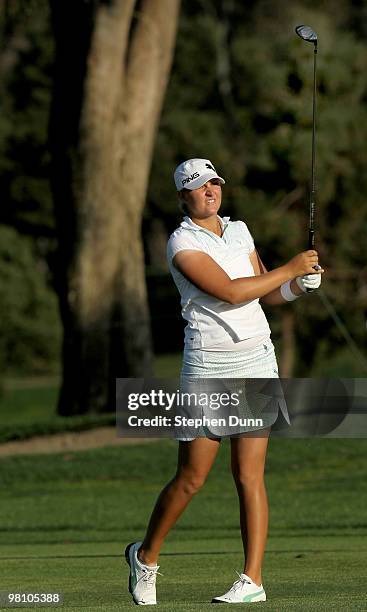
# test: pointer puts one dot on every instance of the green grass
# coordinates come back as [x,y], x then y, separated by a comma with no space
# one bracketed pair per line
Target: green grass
[28,405]
[65,519]
[28,408]
[33,400]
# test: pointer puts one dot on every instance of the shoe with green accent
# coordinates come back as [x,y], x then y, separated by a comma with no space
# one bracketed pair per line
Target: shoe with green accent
[243,590]
[142,577]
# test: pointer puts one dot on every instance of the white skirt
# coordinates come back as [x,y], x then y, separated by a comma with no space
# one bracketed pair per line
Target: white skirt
[223,374]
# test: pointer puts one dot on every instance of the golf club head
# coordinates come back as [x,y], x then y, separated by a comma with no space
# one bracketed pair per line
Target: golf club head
[307,34]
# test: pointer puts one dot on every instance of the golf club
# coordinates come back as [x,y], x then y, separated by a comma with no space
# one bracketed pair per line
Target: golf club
[309,35]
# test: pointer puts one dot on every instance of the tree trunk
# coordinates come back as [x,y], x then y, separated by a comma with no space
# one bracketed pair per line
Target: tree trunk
[111,73]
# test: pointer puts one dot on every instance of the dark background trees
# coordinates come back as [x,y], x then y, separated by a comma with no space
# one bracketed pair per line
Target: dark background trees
[259,130]
[239,93]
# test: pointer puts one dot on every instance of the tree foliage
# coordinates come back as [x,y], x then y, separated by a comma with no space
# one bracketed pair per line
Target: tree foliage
[30,331]
[258,132]
[30,324]
[25,86]
[240,93]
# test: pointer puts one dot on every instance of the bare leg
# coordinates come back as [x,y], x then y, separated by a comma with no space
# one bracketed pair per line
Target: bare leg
[248,463]
[194,462]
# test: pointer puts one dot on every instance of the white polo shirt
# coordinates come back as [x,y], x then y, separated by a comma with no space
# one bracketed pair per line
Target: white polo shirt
[210,321]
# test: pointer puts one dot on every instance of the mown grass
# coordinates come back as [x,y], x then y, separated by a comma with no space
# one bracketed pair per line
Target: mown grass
[22,403]
[28,405]
[65,520]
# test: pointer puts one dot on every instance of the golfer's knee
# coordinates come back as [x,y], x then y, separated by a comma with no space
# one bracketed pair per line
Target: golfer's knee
[246,479]
[191,482]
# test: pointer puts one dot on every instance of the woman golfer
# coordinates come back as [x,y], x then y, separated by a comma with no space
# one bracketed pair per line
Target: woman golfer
[221,278]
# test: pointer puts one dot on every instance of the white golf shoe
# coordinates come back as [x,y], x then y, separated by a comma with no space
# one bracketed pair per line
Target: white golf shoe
[142,577]
[243,590]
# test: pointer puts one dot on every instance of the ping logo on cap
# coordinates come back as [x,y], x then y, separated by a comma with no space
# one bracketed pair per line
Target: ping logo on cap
[188,179]
[193,173]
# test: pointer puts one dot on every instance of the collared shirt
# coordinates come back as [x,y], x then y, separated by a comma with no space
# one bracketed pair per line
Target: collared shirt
[210,320]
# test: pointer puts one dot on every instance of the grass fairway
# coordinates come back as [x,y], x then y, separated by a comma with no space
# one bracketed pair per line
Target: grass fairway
[65,520]
[34,399]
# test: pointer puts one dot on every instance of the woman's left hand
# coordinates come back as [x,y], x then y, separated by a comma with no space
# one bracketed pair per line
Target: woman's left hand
[309,282]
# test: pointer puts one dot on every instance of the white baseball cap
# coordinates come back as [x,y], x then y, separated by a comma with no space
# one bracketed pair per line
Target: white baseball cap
[193,173]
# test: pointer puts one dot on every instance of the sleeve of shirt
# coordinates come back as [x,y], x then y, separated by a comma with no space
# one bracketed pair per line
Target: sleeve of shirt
[247,237]
[181,242]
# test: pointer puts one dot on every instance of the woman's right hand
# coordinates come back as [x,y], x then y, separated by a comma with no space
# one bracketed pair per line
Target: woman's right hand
[304,263]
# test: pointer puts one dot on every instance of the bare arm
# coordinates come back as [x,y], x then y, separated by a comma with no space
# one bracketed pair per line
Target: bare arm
[273,297]
[207,275]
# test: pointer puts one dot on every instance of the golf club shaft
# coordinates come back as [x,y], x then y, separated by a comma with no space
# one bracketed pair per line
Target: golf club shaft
[311,233]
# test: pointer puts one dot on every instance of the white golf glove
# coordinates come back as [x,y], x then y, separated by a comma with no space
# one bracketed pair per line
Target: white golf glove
[309,282]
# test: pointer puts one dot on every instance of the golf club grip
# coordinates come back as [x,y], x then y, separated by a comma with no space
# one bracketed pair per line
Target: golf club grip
[311,246]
